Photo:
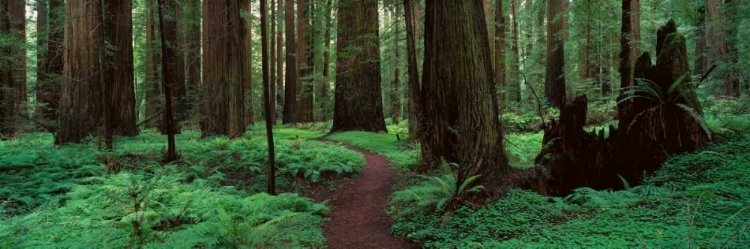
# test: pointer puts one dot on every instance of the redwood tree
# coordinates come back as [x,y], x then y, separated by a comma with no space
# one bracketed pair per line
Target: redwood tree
[358,103]
[500,54]
[118,67]
[304,82]
[554,85]
[193,57]
[411,17]
[49,63]
[290,85]
[222,69]
[247,68]
[153,75]
[460,105]
[81,101]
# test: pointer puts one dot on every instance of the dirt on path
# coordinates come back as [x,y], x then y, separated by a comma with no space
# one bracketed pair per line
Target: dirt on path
[358,218]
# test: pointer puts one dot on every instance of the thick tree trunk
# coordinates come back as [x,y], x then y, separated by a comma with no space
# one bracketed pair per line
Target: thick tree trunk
[223,82]
[7,115]
[118,67]
[81,102]
[718,36]
[193,58]
[247,68]
[290,86]
[358,104]
[153,73]
[411,13]
[236,59]
[500,55]
[555,80]
[459,94]
[304,82]
[16,11]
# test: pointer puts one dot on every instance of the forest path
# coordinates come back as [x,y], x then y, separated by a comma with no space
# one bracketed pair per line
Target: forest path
[358,218]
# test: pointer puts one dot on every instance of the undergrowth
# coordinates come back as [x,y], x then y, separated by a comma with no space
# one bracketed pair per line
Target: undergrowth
[697,200]
[211,197]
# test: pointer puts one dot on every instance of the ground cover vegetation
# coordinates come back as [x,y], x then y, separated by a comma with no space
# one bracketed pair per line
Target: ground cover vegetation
[263,123]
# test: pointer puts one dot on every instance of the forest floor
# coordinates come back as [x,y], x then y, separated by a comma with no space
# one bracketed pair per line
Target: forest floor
[357,216]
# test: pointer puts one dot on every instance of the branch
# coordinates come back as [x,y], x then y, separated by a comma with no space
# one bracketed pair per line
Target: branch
[149,118]
[538,103]
[50,128]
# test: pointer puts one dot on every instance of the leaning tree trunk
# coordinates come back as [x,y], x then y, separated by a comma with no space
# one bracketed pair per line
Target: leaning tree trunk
[459,94]
[358,104]
[81,102]
[118,67]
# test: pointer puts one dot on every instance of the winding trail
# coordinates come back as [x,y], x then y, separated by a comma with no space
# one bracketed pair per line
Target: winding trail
[358,218]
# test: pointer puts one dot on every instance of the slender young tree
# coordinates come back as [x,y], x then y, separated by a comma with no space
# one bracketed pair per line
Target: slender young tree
[395,91]
[118,67]
[81,101]
[50,68]
[16,11]
[290,86]
[514,83]
[267,101]
[358,104]
[460,102]
[627,56]
[555,80]
[167,64]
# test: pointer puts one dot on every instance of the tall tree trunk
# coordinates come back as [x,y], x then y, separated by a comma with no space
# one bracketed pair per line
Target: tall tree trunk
[235,63]
[279,59]
[358,104]
[118,67]
[272,61]
[487,6]
[81,101]
[290,86]
[319,51]
[268,101]
[153,73]
[458,91]
[168,62]
[305,85]
[17,18]
[192,12]
[247,68]
[49,58]
[555,79]
[395,91]
[323,92]
[514,83]
[411,14]
[223,69]
[718,35]
[500,55]
[176,75]
[7,112]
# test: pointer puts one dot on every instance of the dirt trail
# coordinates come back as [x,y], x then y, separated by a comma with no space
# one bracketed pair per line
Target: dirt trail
[357,212]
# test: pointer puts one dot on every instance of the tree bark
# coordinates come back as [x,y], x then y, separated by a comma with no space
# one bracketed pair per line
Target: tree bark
[272,61]
[176,72]
[118,67]
[555,79]
[304,83]
[358,104]
[459,95]
[7,112]
[267,86]
[16,11]
[81,101]
[626,53]
[153,74]
[170,73]
[395,91]
[290,87]
[236,59]
[247,68]
[223,69]
[514,85]
[411,13]
[500,55]
[279,60]
[193,58]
